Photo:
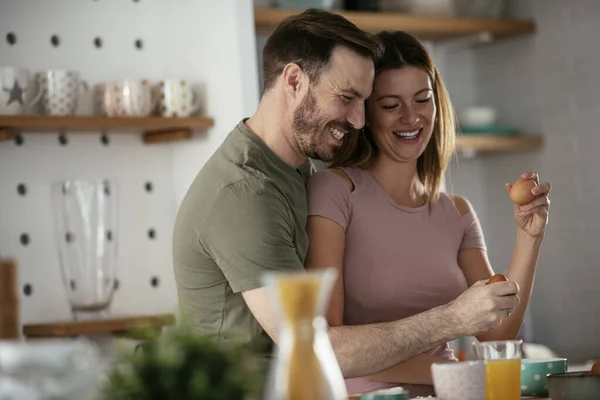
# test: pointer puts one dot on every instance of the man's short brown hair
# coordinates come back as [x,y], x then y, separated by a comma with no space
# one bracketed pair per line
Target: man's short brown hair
[308,39]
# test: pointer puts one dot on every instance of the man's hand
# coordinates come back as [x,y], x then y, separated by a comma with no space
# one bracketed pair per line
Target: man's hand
[481,308]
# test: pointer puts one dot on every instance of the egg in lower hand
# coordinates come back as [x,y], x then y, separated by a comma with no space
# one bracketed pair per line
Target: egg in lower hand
[520,192]
[497,278]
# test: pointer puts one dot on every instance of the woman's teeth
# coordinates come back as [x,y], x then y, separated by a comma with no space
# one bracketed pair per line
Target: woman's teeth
[336,133]
[407,135]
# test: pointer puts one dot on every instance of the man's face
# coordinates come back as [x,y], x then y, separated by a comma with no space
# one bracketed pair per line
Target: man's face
[333,107]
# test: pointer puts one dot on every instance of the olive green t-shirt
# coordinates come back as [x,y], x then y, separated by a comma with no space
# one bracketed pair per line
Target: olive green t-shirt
[243,215]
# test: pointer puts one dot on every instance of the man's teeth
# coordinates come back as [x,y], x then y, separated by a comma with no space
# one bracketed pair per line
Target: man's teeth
[407,135]
[336,133]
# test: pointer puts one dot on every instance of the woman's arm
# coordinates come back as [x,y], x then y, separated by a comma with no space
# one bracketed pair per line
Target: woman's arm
[522,268]
[326,250]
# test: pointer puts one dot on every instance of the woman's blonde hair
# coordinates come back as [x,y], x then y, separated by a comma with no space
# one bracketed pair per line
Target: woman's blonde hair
[402,50]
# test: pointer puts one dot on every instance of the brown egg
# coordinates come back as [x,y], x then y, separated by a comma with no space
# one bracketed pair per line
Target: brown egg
[497,278]
[520,193]
[596,368]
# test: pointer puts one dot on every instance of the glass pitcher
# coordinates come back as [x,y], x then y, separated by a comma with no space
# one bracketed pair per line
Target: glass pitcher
[85,219]
[305,366]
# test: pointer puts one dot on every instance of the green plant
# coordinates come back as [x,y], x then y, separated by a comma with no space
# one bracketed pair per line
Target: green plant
[184,365]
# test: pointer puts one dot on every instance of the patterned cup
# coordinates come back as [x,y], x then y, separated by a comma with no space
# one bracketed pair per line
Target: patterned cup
[459,380]
[61,90]
[176,98]
[126,98]
[17,91]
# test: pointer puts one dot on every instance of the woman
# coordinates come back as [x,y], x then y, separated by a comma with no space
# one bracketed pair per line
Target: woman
[401,246]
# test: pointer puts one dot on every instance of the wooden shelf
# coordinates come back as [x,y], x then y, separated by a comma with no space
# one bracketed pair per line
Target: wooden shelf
[154,129]
[469,143]
[425,28]
[115,326]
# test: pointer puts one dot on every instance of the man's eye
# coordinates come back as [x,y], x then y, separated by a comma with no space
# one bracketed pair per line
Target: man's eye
[347,98]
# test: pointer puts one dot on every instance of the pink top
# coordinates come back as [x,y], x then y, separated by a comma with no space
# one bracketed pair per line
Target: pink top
[398,261]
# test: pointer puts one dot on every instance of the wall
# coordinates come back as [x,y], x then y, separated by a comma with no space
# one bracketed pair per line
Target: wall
[464,176]
[547,83]
[206,42]
[222,34]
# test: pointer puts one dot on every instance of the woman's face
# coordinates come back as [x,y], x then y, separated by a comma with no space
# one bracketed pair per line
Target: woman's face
[401,113]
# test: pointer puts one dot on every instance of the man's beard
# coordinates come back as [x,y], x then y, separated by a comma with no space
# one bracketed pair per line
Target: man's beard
[311,127]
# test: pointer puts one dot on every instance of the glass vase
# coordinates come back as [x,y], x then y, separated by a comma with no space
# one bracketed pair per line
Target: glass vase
[85,222]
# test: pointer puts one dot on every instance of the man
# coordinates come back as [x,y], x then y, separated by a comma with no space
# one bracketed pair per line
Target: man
[245,213]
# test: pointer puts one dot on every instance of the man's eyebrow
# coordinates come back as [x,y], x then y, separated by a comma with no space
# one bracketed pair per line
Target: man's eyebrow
[353,91]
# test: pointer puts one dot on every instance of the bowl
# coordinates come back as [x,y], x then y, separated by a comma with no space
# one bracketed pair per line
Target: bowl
[396,393]
[477,116]
[574,386]
[534,372]
[459,380]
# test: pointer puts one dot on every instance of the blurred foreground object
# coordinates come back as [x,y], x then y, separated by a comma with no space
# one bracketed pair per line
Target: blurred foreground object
[305,366]
[63,369]
[9,301]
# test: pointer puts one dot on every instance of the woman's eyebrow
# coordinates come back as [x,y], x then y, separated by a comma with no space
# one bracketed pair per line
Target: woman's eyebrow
[395,96]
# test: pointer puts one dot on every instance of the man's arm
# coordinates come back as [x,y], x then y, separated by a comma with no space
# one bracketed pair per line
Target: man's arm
[367,349]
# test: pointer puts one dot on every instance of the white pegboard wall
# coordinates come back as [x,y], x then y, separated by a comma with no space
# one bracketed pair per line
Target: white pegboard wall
[42,35]
[108,40]
[41,160]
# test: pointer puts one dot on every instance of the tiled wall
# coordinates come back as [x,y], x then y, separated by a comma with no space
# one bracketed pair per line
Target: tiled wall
[548,84]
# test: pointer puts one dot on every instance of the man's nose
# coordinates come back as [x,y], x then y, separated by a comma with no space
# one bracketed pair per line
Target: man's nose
[356,118]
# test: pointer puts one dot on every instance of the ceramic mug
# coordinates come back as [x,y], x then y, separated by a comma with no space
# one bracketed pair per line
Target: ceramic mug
[127,97]
[61,91]
[459,380]
[17,91]
[176,98]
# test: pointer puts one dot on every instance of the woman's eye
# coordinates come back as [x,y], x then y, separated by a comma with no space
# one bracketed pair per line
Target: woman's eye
[423,100]
[389,106]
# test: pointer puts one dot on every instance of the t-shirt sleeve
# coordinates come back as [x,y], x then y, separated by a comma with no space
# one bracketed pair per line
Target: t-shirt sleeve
[329,197]
[250,232]
[473,234]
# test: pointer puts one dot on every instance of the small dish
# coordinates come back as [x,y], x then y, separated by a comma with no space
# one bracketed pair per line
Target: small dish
[574,386]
